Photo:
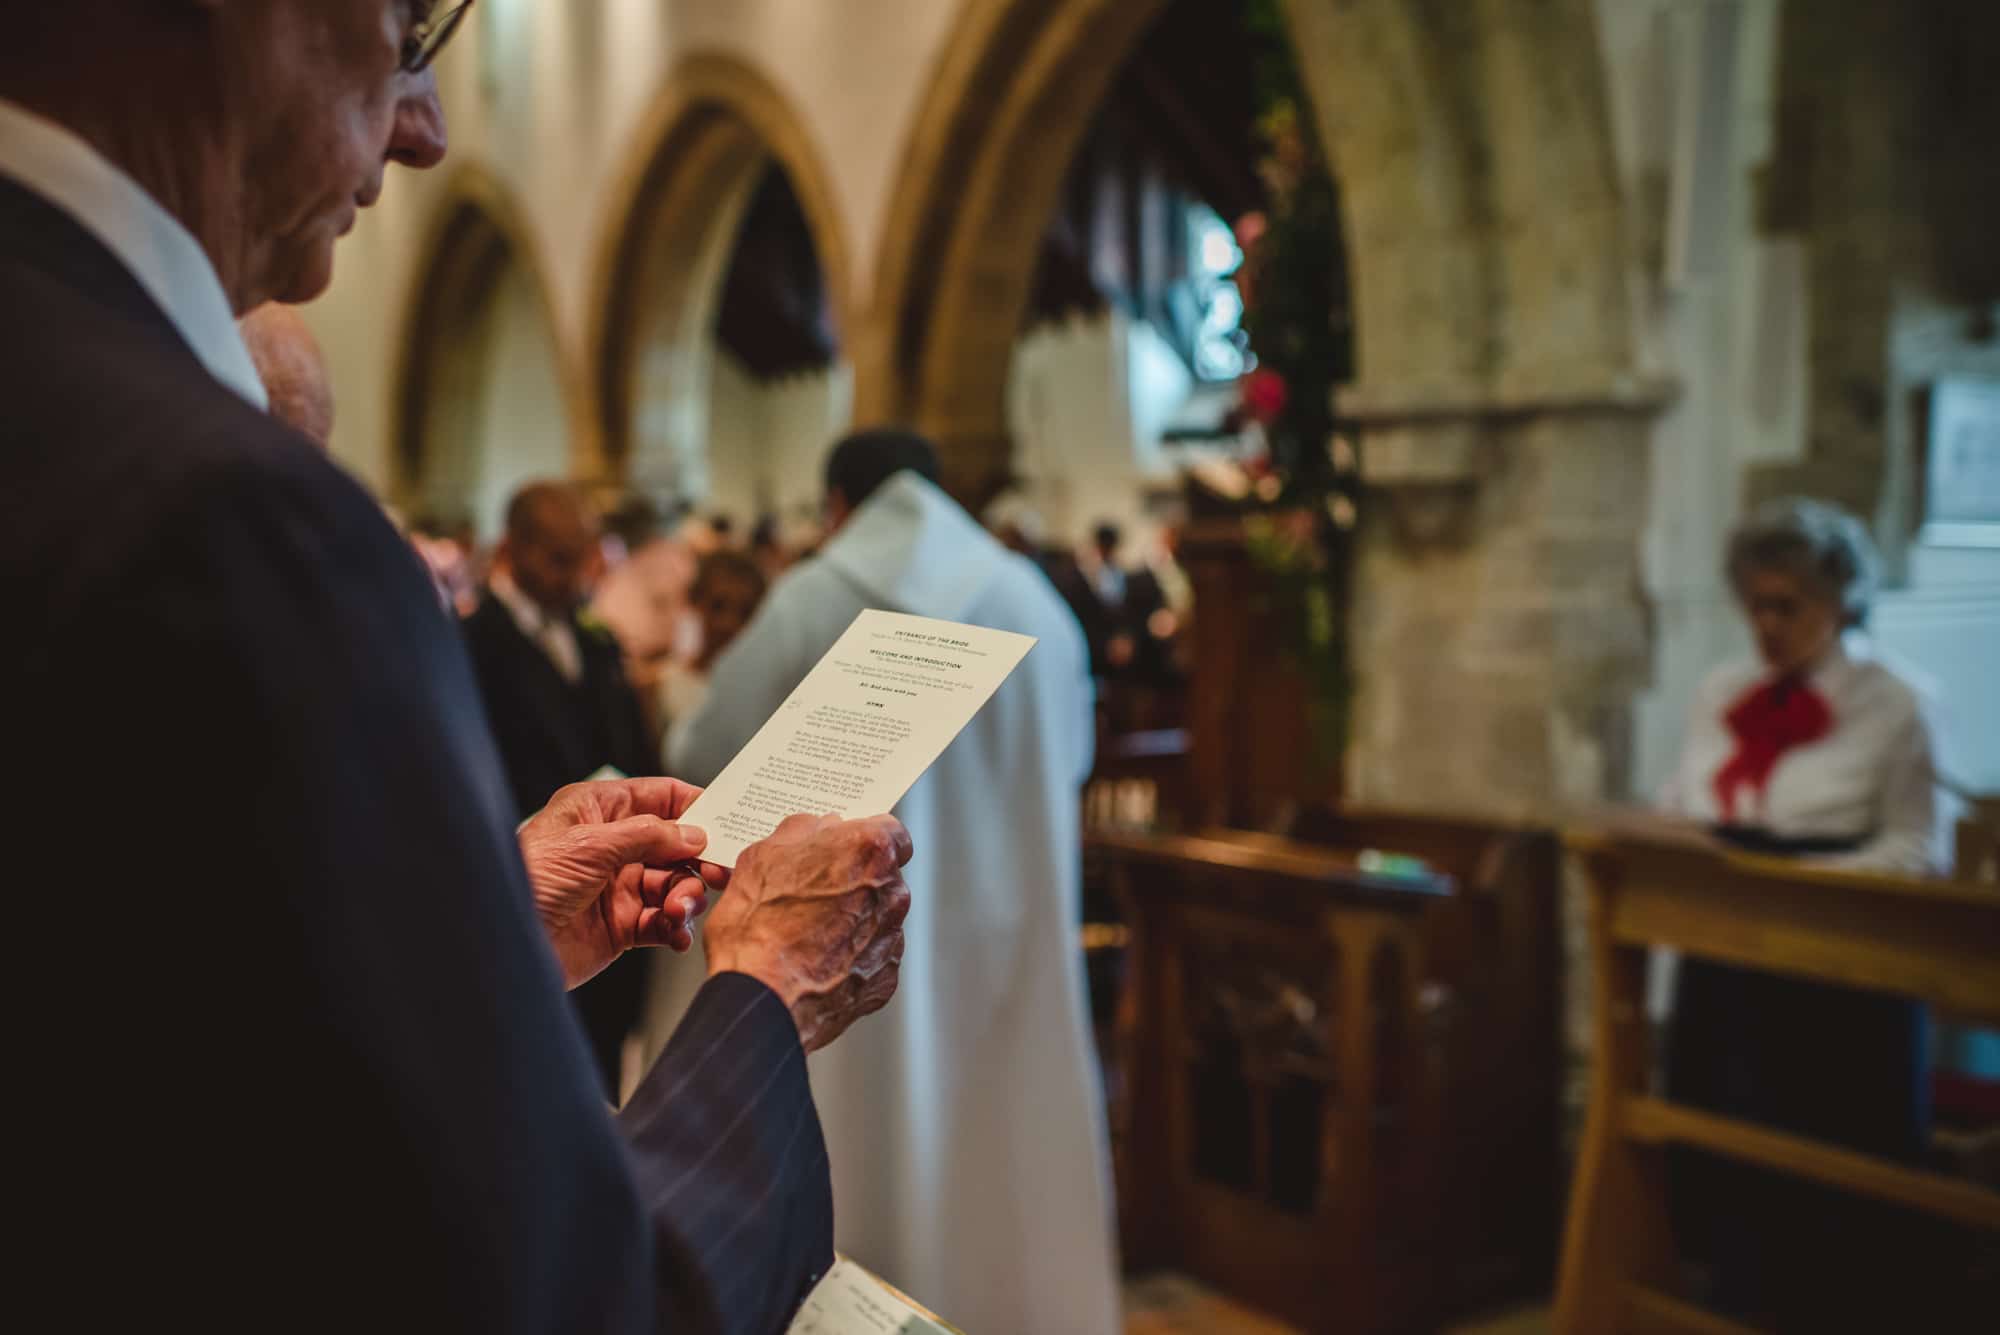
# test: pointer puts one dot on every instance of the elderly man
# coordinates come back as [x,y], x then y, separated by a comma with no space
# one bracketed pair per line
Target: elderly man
[317,1072]
[292,369]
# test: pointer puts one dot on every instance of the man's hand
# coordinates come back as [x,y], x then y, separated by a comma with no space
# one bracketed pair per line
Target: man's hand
[816,913]
[605,861]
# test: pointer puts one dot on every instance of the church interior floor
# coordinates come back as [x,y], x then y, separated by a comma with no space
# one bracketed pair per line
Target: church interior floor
[1175,1305]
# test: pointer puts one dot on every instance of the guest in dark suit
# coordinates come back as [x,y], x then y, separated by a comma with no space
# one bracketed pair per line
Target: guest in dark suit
[1119,609]
[559,702]
[554,680]
[285,1028]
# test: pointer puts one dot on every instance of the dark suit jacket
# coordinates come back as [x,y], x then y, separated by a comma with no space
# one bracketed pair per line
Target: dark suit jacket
[550,732]
[1102,621]
[286,1049]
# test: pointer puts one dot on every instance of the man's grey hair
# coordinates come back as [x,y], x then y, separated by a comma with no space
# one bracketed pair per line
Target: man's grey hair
[1822,546]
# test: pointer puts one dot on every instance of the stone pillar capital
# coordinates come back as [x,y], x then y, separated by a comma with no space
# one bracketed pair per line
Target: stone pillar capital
[1440,431]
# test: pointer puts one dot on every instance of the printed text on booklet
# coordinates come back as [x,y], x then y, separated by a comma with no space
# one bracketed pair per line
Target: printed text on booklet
[864,725]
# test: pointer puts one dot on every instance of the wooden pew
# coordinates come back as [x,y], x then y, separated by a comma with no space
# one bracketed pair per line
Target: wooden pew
[1938,941]
[1340,1095]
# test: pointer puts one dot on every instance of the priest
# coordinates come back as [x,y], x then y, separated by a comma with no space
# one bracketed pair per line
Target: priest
[966,1128]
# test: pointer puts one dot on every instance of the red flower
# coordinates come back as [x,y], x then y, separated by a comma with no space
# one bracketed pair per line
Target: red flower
[1264,395]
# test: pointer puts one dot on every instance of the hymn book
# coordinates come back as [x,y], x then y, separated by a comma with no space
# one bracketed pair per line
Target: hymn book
[860,730]
[850,1301]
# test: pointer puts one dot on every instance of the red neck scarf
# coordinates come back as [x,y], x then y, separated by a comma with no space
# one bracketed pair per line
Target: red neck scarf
[1767,721]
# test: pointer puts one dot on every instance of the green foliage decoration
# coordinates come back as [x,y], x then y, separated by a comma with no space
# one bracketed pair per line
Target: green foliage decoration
[1295,286]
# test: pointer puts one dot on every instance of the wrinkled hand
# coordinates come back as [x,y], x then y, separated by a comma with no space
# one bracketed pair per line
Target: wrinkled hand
[816,913]
[604,864]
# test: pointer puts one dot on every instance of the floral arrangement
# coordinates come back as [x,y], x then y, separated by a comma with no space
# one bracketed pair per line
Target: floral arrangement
[1304,494]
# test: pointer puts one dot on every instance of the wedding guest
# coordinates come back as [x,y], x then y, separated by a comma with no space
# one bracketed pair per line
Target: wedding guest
[727,588]
[1818,747]
[559,702]
[1119,610]
[294,1051]
[1821,750]
[967,1134]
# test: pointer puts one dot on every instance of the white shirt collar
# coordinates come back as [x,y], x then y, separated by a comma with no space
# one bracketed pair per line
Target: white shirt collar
[555,634]
[150,242]
[527,613]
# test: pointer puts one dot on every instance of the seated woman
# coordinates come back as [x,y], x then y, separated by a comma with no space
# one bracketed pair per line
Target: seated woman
[1817,750]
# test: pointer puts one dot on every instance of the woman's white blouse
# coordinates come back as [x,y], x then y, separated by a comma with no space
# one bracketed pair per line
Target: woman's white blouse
[1872,776]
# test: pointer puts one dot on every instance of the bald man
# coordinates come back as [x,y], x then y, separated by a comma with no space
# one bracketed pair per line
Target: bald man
[559,701]
[289,362]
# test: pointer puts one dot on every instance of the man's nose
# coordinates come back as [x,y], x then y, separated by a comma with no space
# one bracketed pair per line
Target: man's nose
[418,139]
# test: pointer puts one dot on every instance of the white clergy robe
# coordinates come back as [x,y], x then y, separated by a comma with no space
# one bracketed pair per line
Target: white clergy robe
[965,1122]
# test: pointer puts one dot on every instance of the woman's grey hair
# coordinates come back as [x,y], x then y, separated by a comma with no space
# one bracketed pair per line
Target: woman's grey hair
[1821,545]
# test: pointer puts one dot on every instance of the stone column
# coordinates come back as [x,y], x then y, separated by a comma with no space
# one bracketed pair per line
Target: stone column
[1499,631]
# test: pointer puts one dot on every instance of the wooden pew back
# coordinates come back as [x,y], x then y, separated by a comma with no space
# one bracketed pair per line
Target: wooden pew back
[1936,941]
[1343,1097]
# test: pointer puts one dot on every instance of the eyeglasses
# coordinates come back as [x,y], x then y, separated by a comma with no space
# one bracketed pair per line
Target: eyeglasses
[427,38]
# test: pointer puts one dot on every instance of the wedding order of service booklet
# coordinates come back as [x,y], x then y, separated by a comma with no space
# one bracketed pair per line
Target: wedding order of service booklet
[850,1301]
[864,725]
[850,740]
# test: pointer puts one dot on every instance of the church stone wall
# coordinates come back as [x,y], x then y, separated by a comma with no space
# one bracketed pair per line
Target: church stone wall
[1500,632]
[1559,424]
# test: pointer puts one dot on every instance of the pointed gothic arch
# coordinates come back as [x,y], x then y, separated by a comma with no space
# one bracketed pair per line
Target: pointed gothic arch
[715,129]
[1474,152]
[1504,422]
[483,362]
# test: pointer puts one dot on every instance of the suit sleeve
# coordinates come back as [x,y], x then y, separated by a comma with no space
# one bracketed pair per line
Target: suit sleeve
[732,1168]
[433,1133]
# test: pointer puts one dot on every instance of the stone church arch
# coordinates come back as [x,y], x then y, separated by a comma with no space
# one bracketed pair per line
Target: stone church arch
[486,399]
[1504,425]
[717,141]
